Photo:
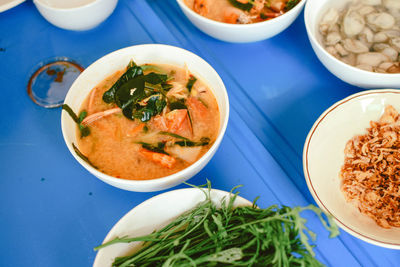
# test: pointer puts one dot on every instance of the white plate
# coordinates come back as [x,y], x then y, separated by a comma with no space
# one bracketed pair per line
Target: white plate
[7,4]
[323,157]
[153,214]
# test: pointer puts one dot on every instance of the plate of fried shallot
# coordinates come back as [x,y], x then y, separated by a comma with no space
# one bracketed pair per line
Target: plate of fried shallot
[351,162]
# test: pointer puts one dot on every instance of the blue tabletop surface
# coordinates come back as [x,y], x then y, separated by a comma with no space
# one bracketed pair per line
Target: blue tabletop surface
[53,212]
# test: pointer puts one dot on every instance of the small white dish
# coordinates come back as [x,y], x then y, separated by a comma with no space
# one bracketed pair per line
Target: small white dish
[153,214]
[75,15]
[323,157]
[8,4]
[142,54]
[242,33]
[313,12]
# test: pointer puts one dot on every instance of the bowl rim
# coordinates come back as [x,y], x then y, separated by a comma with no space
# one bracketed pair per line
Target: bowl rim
[60,9]
[312,36]
[182,4]
[172,177]
[308,178]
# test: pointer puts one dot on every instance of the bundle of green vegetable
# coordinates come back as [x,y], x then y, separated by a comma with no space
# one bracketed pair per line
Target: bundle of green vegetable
[228,236]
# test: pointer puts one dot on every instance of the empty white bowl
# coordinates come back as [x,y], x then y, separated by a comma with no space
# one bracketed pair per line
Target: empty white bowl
[323,157]
[242,33]
[313,12]
[75,15]
[142,54]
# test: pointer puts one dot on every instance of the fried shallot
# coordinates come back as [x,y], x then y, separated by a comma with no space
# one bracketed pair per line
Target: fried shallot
[370,176]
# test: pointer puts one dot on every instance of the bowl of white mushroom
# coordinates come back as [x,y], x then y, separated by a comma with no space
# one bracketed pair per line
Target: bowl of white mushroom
[357,40]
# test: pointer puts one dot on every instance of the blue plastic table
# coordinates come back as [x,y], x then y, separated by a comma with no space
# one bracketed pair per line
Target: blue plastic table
[53,212]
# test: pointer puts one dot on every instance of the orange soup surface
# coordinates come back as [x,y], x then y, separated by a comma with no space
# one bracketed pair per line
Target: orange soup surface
[241,11]
[156,132]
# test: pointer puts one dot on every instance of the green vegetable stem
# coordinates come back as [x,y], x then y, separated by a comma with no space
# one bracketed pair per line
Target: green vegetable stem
[228,236]
[191,82]
[291,4]
[85,131]
[82,156]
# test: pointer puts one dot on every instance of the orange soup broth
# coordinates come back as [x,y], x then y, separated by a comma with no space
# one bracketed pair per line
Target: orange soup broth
[112,145]
[224,11]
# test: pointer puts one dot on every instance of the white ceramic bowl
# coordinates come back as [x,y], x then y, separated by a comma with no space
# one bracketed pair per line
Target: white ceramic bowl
[142,54]
[313,13]
[7,4]
[154,214]
[242,33]
[323,157]
[77,17]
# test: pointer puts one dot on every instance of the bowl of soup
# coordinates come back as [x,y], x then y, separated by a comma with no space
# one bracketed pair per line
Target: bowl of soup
[146,117]
[241,21]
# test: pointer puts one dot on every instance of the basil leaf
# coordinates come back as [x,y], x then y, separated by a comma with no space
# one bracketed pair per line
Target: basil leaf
[191,82]
[132,72]
[174,135]
[203,142]
[291,4]
[154,106]
[131,92]
[133,86]
[155,78]
[179,104]
[245,7]
[127,111]
[166,86]
[82,115]
[158,148]
[187,142]
[155,88]
[85,131]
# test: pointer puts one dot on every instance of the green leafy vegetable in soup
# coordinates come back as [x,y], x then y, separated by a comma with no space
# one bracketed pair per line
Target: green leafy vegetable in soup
[85,131]
[243,5]
[291,4]
[147,121]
